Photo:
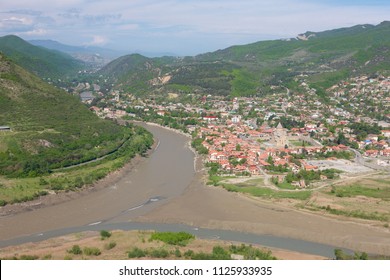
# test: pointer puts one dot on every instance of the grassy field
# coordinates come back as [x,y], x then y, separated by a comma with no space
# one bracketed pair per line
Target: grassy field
[366,198]
[255,187]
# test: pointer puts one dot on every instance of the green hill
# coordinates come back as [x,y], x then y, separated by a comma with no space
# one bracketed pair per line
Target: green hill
[326,57]
[41,61]
[51,129]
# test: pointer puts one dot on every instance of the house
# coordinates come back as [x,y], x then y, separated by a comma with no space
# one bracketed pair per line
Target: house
[210,118]
[161,113]
[385,152]
[254,170]
[5,128]
[371,153]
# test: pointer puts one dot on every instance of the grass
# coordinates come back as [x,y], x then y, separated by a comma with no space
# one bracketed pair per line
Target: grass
[253,182]
[358,189]
[286,186]
[218,253]
[268,193]
[358,214]
[173,238]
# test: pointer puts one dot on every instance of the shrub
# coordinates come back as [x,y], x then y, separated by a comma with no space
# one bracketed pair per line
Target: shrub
[110,245]
[136,253]
[47,257]
[76,250]
[177,253]
[28,257]
[188,254]
[159,253]
[92,251]
[105,234]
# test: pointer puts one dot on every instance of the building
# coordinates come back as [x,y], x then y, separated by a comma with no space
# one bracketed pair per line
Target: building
[279,136]
[5,128]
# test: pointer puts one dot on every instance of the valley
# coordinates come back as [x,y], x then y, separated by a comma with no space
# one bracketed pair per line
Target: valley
[286,138]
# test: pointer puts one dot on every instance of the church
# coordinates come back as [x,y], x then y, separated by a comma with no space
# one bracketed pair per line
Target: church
[279,136]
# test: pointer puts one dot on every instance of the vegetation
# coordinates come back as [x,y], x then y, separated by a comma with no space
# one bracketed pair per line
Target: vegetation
[341,255]
[41,61]
[104,234]
[173,238]
[75,250]
[52,130]
[110,245]
[197,145]
[360,214]
[91,251]
[354,190]
[268,193]
[311,175]
[251,69]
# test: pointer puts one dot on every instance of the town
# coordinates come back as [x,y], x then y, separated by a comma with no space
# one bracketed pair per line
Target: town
[291,136]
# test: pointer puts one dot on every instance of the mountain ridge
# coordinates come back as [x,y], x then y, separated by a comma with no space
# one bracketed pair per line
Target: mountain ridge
[41,61]
[49,127]
[251,69]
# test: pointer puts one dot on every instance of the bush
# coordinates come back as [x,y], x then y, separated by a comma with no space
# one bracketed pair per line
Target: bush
[188,254]
[92,251]
[76,250]
[159,253]
[220,253]
[28,257]
[110,245]
[177,253]
[105,234]
[136,253]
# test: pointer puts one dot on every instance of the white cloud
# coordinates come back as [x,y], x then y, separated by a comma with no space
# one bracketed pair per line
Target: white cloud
[218,22]
[98,40]
[37,32]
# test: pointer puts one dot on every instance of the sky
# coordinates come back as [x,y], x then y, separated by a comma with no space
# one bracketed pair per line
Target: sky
[180,27]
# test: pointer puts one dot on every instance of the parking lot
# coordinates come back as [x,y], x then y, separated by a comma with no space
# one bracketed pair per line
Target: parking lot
[340,164]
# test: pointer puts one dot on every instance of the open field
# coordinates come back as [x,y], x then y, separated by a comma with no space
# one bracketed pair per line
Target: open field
[362,198]
[340,164]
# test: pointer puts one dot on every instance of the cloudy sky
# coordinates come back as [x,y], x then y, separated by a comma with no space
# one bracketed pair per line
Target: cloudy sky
[181,27]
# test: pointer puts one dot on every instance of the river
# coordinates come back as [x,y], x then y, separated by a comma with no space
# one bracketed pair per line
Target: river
[163,176]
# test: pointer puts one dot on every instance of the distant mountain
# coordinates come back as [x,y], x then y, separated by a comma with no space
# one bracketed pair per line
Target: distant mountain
[326,57]
[49,127]
[90,54]
[41,61]
[135,71]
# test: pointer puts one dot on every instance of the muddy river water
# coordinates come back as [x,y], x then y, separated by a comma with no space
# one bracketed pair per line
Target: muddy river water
[155,181]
